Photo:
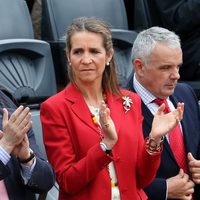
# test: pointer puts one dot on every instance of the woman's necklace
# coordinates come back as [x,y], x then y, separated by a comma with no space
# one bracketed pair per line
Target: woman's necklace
[94,116]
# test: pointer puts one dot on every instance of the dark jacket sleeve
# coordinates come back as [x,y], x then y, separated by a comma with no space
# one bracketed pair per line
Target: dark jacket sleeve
[43,176]
[4,170]
[157,189]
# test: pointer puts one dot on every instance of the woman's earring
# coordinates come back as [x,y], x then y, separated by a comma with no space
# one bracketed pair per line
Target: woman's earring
[107,64]
[69,63]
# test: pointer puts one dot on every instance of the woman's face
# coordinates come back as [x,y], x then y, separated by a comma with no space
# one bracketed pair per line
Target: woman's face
[88,57]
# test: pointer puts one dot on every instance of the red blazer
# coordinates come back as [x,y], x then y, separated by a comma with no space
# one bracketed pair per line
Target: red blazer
[72,144]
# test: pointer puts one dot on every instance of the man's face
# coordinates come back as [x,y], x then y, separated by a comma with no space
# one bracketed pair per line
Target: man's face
[161,73]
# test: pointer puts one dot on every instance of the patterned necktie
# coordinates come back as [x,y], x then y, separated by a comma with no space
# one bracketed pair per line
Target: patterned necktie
[3,191]
[175,139]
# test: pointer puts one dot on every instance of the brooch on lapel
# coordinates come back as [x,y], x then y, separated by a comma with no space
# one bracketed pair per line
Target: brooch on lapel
[127,103]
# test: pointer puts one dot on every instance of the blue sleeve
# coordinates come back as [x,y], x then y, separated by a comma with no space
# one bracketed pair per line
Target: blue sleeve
[157,190]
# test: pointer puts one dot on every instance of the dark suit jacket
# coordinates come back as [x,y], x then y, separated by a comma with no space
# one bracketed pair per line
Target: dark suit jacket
[191,131]
[42,178]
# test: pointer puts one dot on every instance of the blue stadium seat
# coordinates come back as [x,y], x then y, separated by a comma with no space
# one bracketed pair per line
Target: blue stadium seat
[26,65]
[37,128]
[26,70]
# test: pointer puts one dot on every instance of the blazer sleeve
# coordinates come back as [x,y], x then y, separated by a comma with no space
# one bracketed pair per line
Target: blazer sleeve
[147,165]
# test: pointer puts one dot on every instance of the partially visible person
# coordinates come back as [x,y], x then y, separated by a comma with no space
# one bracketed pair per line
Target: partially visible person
[93,130]
[36,16]
[157,58]
[23,169]
[30,4]
[183,17]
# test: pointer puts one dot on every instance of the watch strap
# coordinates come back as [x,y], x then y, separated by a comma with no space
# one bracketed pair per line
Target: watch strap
[105,148]
[32,155]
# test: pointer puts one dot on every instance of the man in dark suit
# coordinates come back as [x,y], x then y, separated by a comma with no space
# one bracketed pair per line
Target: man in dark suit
[23,169]
[157,57]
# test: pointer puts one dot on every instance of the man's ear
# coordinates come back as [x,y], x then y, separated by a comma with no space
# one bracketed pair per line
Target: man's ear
[139,66]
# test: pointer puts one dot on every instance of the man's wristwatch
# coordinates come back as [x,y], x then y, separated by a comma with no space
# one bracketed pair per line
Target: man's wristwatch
[105,148]
[32,155]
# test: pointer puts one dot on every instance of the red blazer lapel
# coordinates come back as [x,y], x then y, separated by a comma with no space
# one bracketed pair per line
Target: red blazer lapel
[82,111]
[79,107]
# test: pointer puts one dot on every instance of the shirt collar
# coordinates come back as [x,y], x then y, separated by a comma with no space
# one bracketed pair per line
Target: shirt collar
[146,96]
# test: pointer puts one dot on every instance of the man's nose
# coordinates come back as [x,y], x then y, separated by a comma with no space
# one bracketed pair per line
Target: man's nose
[175,74]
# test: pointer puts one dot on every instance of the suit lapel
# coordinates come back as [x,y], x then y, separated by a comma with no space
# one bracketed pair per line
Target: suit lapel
[148,117]
[81,110]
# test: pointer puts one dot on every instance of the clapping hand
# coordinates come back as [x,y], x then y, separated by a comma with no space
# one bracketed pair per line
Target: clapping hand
[14,128]
[164,123]
[110,137]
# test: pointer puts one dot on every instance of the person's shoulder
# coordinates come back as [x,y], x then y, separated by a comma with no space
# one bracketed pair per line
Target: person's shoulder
[183,86]
[185,92]
[183,89]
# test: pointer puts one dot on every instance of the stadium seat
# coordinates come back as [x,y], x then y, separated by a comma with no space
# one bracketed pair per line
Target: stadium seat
[58,15]
[37,128]
[15,20]
[26,65]
[26,70]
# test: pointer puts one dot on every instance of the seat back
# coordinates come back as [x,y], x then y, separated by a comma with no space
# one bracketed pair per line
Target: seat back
[58,15]
[122,56]
[37,128]
[26,65]
[26,70]
[15,20]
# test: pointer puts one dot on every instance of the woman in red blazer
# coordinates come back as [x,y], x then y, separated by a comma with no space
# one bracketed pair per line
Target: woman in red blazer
[93,130]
